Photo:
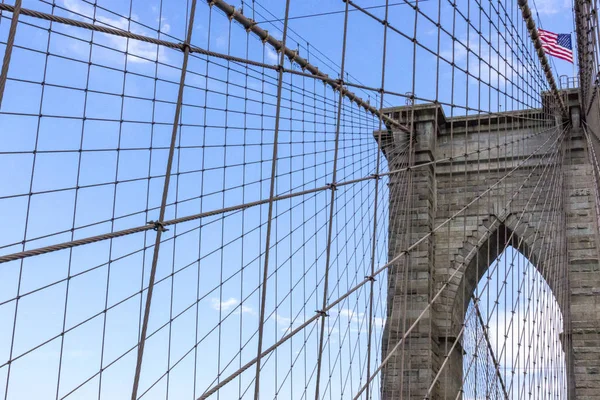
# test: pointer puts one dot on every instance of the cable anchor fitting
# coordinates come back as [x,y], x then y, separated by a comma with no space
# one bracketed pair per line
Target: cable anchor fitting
[185,46]
[230,16]
[158,226]
[251,25]
[264,40]
[293,57]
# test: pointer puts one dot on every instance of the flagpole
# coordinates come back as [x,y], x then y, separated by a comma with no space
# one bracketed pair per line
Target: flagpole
[573,55]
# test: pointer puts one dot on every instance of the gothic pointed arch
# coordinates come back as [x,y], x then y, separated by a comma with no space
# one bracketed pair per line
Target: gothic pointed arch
[482,246]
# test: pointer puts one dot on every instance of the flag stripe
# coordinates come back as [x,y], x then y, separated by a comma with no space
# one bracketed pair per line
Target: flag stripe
[560,55]
[548,34]
[556,44]
[567,56]
[557,49]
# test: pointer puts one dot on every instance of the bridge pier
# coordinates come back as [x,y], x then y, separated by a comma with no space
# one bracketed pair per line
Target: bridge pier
[416,357]
[455,258]
[584,268]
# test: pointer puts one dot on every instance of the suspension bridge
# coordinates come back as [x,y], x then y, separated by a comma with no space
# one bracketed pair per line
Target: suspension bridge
[298,199]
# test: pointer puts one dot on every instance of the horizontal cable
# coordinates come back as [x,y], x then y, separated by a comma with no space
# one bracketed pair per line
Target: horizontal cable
[535,38]
[151,225]
[330,81]
[248,24]
[385,267]
[446,284]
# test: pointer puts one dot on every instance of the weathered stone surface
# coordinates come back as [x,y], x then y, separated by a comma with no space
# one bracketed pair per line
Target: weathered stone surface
[456,257]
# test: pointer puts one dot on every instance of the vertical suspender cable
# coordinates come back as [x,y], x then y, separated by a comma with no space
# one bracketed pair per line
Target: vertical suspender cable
[376,200]
[265,275]
[9,46]
[331,208]
[159,224]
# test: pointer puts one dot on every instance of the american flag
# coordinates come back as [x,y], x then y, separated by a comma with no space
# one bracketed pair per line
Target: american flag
[557,44]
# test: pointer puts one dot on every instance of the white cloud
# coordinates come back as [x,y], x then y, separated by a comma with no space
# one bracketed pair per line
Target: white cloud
[431,32]
[487,65]
[281,320]
[137,51]
[223,305]
[358,321]
[525,343]
[247,309]
[271,55]
[285,323]
[221,42]
[230,304]
[551,7]
[165,26]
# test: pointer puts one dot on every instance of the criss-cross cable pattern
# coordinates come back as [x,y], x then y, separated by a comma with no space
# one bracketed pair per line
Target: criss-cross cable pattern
[295,199]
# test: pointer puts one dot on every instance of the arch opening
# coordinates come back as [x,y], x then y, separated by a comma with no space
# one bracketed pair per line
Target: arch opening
[512,331]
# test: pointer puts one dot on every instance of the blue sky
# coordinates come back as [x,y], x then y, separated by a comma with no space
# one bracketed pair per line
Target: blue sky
[220,246]
[92,176]
[522,333]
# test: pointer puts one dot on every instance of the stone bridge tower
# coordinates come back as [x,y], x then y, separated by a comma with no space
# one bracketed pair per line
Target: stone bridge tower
[456,256]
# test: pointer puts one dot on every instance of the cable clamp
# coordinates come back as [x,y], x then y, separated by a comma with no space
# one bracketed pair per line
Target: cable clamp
[322,313]
[185,46]
[252,24]
[332,186]
[264,40]
[376,176]
[158,226]
[370,278]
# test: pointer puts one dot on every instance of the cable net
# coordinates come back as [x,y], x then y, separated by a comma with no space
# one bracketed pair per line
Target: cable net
[280,200]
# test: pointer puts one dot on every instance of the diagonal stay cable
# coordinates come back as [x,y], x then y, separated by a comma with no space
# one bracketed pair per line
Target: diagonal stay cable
[158,225]
[273,177]
[151,225]
[264,36]
[446,284]
[332,199]
[327,13]
[544,173]
[247,23]
[383,268]
[193,49]
[490,348]
[535,38]
[9,46]
[376,202]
